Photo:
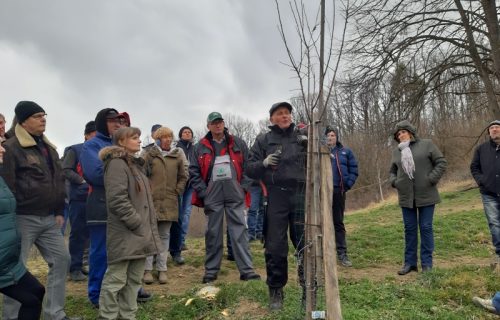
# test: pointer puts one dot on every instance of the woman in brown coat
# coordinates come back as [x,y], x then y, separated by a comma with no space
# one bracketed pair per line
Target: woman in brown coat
[166,170]
[132,234]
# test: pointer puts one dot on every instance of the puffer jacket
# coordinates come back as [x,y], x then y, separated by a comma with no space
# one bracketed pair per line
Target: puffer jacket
[344,167]
[291,168]
[132,231]
[430,166]
[168,177]
[11,266]
[93,172]
[38,187]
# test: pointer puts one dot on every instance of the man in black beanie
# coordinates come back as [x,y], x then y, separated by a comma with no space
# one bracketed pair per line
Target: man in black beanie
[78,191]
[33,173]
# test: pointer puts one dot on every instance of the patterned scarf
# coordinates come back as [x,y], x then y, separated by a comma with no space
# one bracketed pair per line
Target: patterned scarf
[407,158]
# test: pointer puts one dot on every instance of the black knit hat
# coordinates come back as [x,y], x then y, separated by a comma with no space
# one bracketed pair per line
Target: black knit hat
[25,109]
[89,127]
[101,124]
[184,128]
[155,127]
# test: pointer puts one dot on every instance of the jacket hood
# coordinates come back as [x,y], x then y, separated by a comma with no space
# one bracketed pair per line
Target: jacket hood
[405,125]
[101,121]
[157,152]
[115,152]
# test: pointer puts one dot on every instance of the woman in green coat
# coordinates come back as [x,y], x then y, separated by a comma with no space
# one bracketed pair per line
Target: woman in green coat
[417,165]
[15,281]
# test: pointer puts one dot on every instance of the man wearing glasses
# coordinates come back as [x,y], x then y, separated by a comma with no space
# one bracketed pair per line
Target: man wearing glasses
[33,173]
[107,122]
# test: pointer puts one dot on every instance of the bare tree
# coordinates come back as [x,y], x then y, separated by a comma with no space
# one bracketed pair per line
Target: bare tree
[243,128]
[436,36]
[315,68]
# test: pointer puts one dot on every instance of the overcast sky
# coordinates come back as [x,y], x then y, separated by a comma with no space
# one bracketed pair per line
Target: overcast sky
[163,61]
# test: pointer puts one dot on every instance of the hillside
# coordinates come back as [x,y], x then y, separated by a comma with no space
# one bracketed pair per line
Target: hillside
[369,290]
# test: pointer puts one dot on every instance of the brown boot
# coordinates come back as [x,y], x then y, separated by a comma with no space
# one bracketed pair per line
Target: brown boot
[148,277]
[162,277]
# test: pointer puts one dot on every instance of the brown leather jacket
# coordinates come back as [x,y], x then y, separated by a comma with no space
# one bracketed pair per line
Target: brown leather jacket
[38,188]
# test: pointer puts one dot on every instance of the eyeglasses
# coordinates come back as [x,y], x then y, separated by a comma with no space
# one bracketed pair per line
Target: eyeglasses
[121,121]
[39,116]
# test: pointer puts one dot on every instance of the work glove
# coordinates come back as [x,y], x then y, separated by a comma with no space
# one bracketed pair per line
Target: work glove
[272,160]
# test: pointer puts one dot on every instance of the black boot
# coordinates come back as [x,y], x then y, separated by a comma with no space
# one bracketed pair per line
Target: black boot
[276,297]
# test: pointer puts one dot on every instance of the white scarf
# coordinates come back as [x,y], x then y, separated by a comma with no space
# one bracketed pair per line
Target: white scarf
[407,158]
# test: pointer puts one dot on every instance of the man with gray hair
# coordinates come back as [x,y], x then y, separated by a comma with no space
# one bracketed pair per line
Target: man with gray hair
[33,173]
[485,169]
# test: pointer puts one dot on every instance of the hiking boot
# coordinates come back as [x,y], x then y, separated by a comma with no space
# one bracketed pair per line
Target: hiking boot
[250,276]
[276,297]
[495,264]
[407,269]
[485,303]
[162,277]
[207,278]
[179,260]
[230,257]
[77,275]
[426,269]
[148,277]
[344,260]
[85,270]
[143,295]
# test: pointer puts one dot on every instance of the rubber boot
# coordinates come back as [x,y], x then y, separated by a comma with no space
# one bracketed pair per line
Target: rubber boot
[276,297]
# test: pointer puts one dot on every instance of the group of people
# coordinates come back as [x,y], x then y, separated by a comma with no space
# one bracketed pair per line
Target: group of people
[132,206]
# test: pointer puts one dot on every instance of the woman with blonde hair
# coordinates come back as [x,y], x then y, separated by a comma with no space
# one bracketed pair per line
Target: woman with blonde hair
[166,169]
[132,234]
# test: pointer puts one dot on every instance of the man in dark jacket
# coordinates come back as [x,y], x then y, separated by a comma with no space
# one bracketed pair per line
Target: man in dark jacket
[217,176]
[78,191]
[345,173]
[278,159]
[33,173]
[485,169]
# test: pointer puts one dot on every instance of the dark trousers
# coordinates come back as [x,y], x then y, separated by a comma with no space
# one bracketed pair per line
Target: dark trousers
[175,245]
[285,212]
[79,235]
[29,292]
[338,208]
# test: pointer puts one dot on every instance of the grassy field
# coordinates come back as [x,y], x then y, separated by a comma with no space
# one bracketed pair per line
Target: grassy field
[369,290]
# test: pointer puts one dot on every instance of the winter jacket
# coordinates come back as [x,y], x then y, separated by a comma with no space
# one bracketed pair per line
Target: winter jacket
[188,148]
[167,176]
[132,231]
[72,169]
[11,266]
[344,167]
[430,166]
[93,172]
[291,168]
[200,170]
[485,168]
[37,184]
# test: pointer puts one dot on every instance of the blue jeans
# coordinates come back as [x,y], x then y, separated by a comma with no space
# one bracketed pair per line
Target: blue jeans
[414,219]
[255,212]
[98,261]
[66,215]
[496,301]
[185,212]
[492,210]
[79,234]
[176,234]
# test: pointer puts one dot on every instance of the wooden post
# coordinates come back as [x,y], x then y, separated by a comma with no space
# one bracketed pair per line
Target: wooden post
[332,295]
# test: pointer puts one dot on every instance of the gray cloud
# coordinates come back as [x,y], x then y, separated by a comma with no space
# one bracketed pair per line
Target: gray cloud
[170,62]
